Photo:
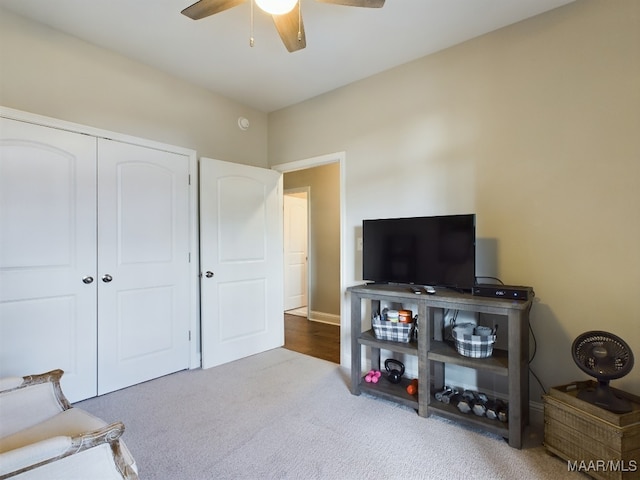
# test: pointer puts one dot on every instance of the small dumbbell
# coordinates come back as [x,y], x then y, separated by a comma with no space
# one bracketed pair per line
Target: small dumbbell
[450,397]
[373,376]
[494,409]
[442,392]
[480,405]
[503,414]
[467,401]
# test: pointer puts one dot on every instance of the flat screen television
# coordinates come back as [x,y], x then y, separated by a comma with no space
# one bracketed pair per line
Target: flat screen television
[439,251]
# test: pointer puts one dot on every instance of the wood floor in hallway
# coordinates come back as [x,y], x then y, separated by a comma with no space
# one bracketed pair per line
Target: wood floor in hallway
[316,339]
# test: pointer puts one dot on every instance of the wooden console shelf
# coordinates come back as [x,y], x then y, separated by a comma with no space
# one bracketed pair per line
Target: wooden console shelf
[433,355]
[446,352]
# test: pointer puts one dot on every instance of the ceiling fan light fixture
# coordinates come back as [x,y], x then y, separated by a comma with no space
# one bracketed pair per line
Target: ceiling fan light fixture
[276,7]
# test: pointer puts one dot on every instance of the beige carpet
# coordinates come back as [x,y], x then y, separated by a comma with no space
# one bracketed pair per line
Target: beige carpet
[284,415]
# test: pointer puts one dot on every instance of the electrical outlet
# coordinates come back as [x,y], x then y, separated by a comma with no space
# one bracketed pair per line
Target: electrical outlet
[359,244]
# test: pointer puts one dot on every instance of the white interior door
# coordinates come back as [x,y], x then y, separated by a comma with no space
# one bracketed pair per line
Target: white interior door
[241,259]
[295,249]
[143,264]
[47,247]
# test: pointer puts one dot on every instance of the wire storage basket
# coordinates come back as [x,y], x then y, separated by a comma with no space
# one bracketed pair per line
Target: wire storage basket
[392,331]
[474,346]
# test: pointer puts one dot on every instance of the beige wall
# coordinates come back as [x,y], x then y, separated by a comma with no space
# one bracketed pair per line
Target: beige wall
[535,128]
[49,73]
[324,253]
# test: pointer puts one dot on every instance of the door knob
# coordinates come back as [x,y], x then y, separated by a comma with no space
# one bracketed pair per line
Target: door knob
[87,279]
[208,274]
[107,278]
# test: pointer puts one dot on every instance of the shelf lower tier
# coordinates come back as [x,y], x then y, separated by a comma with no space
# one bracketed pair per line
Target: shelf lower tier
[390,391]
[451,412]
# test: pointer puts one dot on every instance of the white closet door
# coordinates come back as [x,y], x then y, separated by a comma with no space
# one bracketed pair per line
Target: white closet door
[47,247]
[143,264]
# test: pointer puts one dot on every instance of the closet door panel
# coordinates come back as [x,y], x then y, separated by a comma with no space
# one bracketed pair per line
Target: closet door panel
[143,260]
[47,247]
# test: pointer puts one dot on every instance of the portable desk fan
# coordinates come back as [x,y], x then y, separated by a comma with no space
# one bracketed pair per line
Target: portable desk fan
[606,357]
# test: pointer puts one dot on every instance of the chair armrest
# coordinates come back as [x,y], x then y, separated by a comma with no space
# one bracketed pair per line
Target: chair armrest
[29,400]
[47,451]
[53,377]
[21,459]
[108,434]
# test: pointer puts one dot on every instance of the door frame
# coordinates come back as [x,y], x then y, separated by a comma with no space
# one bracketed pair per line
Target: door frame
[194,269]
[340,158]
[307,191]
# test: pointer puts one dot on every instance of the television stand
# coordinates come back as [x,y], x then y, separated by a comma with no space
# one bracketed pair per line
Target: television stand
[433,355]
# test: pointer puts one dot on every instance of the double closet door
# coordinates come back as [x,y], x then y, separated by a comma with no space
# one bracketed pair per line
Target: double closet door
[94,258]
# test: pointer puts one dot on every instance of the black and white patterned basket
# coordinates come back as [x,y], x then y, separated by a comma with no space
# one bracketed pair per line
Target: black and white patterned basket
[392,331]
[475,346]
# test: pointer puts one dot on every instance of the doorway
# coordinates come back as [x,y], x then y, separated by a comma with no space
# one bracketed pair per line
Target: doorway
[316,330]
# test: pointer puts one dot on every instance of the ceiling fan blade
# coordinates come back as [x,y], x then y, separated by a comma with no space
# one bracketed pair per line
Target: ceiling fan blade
[204,8]
[356,3]
[288,26]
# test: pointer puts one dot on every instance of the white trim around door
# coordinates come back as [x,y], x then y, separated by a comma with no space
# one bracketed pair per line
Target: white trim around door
[340,157]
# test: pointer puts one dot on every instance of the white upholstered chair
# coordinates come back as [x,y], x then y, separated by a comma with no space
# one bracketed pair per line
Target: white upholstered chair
[43,437]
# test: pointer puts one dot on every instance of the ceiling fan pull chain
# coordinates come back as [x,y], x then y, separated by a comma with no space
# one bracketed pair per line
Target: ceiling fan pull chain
[299,20]
[251,40]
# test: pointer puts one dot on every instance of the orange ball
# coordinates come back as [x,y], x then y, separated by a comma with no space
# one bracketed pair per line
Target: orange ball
[412,388]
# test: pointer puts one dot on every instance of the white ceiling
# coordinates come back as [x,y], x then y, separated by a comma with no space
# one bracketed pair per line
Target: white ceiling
[344,44]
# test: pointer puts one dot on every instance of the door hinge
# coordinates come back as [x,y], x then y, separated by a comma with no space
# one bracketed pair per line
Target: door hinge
[189,335]
[189,257]
[189,179]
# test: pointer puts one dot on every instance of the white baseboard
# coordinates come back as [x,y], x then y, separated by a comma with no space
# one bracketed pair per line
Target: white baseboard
[322,317]
[196,361]
[536,413]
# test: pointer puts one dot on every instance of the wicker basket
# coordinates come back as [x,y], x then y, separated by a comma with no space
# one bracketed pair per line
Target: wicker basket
[392,331]
[585,434]
[475,346]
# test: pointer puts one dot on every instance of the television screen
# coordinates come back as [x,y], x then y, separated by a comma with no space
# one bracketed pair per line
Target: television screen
[439,251]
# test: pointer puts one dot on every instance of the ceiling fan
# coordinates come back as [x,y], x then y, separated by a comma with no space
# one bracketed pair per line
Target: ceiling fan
[286,15]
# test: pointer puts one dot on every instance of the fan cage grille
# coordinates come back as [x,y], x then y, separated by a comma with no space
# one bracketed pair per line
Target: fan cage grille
[602,355]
